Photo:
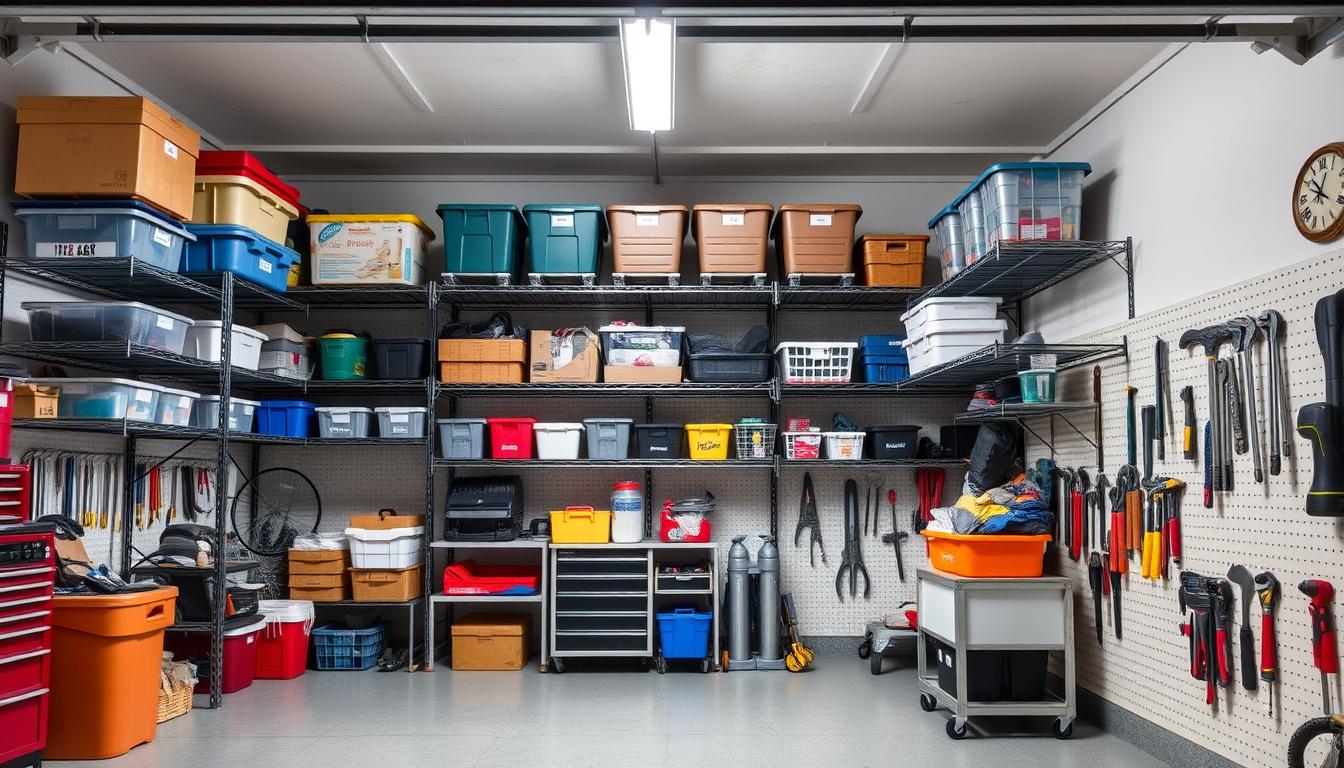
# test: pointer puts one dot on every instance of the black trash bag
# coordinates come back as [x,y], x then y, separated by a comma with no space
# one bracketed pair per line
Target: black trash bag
[499,326]
[994,456]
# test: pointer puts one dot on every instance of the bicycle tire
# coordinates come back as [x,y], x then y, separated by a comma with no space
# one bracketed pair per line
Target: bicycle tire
[272,534]
[1305,734]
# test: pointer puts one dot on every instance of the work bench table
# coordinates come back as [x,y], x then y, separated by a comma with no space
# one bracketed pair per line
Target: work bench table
[995,615]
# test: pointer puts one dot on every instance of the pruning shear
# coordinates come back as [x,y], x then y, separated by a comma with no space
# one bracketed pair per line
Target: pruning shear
[807,518]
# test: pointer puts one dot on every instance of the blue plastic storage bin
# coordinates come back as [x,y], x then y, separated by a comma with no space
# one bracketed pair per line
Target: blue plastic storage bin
[565,239]
[882,344]
[103,228]
[228,248]
[684,633]
[357,649]
[482,238]
[885,369]
[285,418]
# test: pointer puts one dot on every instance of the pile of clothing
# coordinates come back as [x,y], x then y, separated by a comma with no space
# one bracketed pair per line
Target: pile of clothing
[997,497]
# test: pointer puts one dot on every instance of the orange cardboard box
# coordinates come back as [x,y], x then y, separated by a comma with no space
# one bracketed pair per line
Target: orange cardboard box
[647,374]
[382,585]
[34,402]
[481,373]
[310,562]
[319,594]
[482,351]
[581,368]
[385,520]
[492,641]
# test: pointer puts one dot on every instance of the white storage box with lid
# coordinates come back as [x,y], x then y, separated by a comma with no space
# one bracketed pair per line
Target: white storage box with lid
[949,308]
[636,345]
[203,343]
[104,398]
[802,446]
[402,421]
[241,413]
[844,446]
[123,321]
[343,421]
[557,440]
[948,340]
[394,548]
[816,362]
[175,406]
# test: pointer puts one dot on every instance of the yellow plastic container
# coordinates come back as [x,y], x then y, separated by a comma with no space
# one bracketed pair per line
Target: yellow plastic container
[367,249]
[708,442]
[580,525]
[242,202]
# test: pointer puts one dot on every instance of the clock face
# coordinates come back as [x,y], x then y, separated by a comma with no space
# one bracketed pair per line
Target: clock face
[1318,198]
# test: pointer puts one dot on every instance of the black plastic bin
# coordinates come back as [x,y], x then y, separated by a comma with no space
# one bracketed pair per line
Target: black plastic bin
[727,367]
[893,441]
[658,441]
[959,438]
[1025,675]
[404,358]
[984,673]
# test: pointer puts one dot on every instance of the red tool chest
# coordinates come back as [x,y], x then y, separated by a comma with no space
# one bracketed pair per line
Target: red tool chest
[27,573]
[15,490]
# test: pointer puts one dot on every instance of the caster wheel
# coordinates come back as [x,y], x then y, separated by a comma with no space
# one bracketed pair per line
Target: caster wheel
[927,703]
[1062,729]
[875,663]
[558,666]
[705,665]
[866,647]
[660,664]
[953,731]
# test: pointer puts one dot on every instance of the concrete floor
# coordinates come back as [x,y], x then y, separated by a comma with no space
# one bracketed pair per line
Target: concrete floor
[837,714]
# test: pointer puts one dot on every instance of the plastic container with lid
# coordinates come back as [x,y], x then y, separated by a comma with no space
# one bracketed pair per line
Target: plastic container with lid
[239,163]
[365,248]
[282,646]
[608,438]
[400,358]
[174,406]
[205,414]
[942,308]
[104,398]
[844,446]
[893,261]
[647,238]
[947,241]
[461,438]
[816,238]
[385,548]
[565,238]
[482,238]
[123,229]
[971,210]
[627,513]
[893,441]
[731,237]
[580,525]
[344,356]
[242,202]
[343,421]
[402,421]
[708,442]
[510,438]
[557,440]
[1031,201]
[128,321]
[658,441]
[242,251]
[285,418]
[635,345]
[683,633]
[203,343]
[241,638]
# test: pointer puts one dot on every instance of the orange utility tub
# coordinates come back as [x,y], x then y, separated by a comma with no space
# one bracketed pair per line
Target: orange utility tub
[893,261]
[731,237]
[106,652]
[816,238]
[996,556]
[647,238]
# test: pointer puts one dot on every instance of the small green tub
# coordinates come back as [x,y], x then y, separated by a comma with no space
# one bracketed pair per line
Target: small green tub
[344,356]
[1038,386]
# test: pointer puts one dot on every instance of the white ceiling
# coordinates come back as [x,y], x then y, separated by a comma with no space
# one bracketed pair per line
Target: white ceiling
[786,107]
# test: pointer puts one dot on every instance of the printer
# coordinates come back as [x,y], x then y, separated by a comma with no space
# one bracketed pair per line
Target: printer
[484,509]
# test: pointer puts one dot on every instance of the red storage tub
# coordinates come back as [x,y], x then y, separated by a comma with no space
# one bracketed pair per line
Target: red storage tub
[510,438]
[235,163]
[240,653]
[469,577]
[282,647]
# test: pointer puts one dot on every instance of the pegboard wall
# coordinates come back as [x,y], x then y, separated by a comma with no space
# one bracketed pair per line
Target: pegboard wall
[1261,526]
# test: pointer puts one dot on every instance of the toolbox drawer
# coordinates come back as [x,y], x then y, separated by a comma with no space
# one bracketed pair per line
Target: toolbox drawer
[26,587]
[23,721]
[602,641]
[600,582]
[578,621]
[608,603]
[24,671]
[684,582]
[25,632]
[581,562]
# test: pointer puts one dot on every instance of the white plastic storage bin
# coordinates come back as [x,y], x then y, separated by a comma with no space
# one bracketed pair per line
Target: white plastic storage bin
[949,308]
[402,421]
[628,345]
[344,421]
[816,362]
[393,548]
[175,406]
[101,398]
[557,440]
[947,340]
[241,413]
[844,446]
[124,321]
[203,340]
[802,446]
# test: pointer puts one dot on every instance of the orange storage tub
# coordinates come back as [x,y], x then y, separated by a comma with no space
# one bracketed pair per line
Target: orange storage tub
[106,652]
[731,237]
[816,238]
[893,261]
[481,373]
[647,238]
[1001,557]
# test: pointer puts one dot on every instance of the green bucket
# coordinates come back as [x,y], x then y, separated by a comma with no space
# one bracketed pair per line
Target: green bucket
[1037,386]
[344,356]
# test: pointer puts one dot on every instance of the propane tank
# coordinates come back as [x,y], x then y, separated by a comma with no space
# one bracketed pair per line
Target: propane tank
[739,598]
[767,598]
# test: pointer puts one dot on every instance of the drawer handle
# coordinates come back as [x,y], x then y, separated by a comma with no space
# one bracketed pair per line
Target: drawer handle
[24,586]
[23,697]
[573,559]
[26,572]
[25,656]
[25,601]
[601,594]
[600,614]
[602,576]
[603,633]
[23,617]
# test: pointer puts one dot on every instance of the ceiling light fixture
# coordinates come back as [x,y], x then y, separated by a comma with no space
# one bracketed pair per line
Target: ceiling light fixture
[648,53]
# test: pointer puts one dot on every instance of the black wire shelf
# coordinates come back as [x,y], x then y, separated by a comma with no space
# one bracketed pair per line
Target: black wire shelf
[1016,411]
[369,387]
[998,361]
[370,603]
[1016,270]
[553,297]
[607,389]
[249,295]
[125,359]
[123,427]
[364,296]
[834,298]
[631,463]
[860,463]
[861,389]
[120,278]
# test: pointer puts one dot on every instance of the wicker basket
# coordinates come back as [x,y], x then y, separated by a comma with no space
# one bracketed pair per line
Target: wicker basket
[175,688]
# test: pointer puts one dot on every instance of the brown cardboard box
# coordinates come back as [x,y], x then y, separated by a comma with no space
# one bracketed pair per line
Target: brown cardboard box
[582,368]
[648,374]
[481,373]
[319,594]
[385,520]
[34,402]
[383,585]
[492,641]
[482,351]
[106,146]
[318,562]
[321,580]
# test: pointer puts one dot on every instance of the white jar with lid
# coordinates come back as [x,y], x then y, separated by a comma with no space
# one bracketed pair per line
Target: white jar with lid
[627,513]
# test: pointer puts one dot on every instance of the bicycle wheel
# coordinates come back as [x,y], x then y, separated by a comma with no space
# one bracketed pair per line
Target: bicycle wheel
[287,504]
[1318,743]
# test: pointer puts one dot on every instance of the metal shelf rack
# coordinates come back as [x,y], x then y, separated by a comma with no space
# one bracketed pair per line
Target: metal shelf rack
[631,463]
[648,297]
[1020,413]
[606,389]
[537,551]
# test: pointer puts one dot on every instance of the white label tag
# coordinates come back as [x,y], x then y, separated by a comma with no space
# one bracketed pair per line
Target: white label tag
[4,399]
[143,395]
[820,220]
[1034,231]
[559,220]
[264,266]
[170,149]
[340,418]
[646,220]
[162,237]
[399,418]
[75,249]
[165,322]
[734,219]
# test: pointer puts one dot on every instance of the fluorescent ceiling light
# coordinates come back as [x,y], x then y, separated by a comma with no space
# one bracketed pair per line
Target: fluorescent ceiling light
[649,52]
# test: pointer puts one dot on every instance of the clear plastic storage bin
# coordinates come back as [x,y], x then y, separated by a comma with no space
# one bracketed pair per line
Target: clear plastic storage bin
[947,241]
[844,446]
[347,422]
[102,229]
[175,406]
[241,413]
[627,345]
[401,421]
[128,321]
[1032,201]
[101,398]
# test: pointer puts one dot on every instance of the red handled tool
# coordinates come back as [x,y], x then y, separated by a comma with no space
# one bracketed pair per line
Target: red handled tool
[1267,588]
[1324,650]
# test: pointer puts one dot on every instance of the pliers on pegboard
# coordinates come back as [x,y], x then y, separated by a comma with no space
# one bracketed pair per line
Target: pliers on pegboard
[807,518]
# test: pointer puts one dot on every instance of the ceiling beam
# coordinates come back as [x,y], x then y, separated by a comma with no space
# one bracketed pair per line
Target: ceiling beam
[630,149]
[891,53]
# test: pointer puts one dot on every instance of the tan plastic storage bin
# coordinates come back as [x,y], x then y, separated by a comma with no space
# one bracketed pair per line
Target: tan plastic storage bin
[243,202]
[106,146]
[893,261]
[731,237]
[492,642]
[816,238]
[647,238]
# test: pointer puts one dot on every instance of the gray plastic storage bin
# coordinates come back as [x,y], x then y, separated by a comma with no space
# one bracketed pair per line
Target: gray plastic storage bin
[205,414]
[283,357]
[608,438]
[103,229]
[344,421]
[401,421]
[462,438]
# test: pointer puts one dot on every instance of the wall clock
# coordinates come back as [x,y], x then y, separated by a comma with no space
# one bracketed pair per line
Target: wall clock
[1318,196]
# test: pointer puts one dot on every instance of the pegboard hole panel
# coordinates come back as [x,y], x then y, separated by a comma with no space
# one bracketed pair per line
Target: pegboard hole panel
[1261,526]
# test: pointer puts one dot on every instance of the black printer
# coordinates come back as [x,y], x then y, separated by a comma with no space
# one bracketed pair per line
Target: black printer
[484,509]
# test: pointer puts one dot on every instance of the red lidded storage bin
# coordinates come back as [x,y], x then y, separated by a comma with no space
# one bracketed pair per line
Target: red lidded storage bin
[282,647]
[468,577]
[240,653]
[510,438]
[235,163]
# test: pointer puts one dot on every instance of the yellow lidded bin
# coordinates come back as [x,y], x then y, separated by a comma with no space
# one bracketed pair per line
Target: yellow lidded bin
[242,202]
[580,525]
[367,248]
[708,442]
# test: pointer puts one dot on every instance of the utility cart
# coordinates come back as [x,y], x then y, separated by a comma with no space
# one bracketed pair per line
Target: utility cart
[976,629]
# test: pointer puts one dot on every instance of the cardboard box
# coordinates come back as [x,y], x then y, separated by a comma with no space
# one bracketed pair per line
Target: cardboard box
[650,374]
[572,359]
[492,641]
[317,562]
[482,351]
[385,520]
[379,585]
[321,580]
[106,146]
[34,402]
[481,373]
[319,594]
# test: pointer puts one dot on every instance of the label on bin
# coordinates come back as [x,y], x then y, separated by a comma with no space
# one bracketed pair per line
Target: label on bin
[264,266]
[340,418]
[165,322]
[562,220]
[75,249]
[820,220]
[163,238]
[399,418]
[143,395]
[646,220]
[734,219]
[170,149]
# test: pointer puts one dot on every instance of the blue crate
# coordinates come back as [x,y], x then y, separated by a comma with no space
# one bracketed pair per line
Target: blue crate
[357,649]
[684,633]
[882,344]
[886,369]
[228,248]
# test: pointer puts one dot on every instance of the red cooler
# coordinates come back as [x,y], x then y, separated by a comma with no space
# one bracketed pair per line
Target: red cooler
[240,652]
[282,647]
[510,438]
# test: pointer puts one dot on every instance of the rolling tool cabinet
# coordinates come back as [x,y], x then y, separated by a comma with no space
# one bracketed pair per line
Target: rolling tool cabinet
[27,565]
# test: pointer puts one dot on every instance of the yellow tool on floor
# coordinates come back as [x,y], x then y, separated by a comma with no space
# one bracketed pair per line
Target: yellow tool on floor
[799,656]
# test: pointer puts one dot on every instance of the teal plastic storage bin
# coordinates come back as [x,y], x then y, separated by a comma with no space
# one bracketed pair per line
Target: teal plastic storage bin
[482,238]
[565,238]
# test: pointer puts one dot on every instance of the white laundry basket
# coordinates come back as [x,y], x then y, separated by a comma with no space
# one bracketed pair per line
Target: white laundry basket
[816,362]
